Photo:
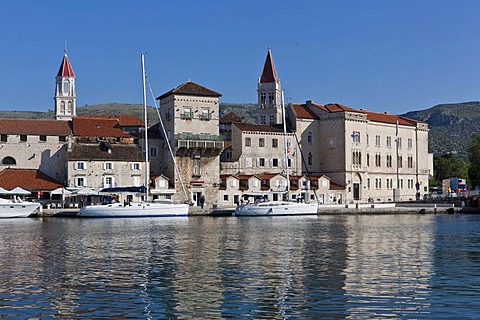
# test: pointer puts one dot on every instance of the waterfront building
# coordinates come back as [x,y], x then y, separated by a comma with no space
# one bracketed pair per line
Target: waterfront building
[190,113]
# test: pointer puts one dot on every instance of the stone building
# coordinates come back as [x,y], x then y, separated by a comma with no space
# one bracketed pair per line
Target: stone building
[190,113]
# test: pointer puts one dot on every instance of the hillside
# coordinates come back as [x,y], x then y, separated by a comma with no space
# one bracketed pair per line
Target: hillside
[451,126]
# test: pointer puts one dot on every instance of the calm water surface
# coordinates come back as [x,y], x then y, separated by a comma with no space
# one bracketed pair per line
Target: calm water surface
[326,267]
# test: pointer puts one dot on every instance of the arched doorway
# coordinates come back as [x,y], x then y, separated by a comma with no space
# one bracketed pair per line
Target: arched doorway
[357,186]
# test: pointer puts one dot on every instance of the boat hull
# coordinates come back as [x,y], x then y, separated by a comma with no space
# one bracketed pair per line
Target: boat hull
[18,210]
[277,209]
[117,210]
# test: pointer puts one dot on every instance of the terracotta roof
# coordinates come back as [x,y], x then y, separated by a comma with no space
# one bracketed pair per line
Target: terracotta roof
[98,127]
[334,186]
[34,127]
[335,107]
[230,117]
[191,89]
[28,179]
[125,120]
[119,152]
[269,74]
[259,127]
[389,118]
[267,176]
[66,69]
[303,112]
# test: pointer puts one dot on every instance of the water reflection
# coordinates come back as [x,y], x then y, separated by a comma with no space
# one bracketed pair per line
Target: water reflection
[331,267]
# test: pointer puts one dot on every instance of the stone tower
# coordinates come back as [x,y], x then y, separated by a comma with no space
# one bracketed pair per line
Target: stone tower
[269,94]
[65,96]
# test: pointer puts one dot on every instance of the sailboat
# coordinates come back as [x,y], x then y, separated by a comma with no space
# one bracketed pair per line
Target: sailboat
[162,208]
[261,206]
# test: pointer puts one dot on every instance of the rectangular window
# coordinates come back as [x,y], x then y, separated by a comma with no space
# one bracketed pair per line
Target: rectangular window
[62,138]
[135,166]
[80,165]
[356,136]
[153,152]
[389,142]
[4,138]
[274,143]
[225,197]
[196,167]
[43,138]
[275,163]
[23,138]
[108,182]
[377,140]
[232,183]
[248,162]
[399,141]
[263,120]
[108,166]
[410,143]
[261,142]
[187,114]
[80,182]
[248,142]
[261,162]
[205,114]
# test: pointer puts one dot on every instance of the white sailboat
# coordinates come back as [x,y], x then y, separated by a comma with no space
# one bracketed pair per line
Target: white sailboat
[162,208]
[264,207]
[16,208]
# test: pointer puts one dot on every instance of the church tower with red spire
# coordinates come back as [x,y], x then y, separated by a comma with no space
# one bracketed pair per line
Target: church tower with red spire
[65,95]
[269,94]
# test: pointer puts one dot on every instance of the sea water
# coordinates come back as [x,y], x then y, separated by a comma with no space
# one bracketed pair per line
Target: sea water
[311,267]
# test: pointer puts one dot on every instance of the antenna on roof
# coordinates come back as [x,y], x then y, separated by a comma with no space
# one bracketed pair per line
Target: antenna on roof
[65,48]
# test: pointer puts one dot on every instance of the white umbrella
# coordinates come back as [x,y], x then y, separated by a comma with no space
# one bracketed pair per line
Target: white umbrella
[4,191]
[85,191]
[60,191]
[19,191]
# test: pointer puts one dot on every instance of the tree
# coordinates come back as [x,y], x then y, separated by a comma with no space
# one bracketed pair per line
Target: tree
[448,166]
[474,157]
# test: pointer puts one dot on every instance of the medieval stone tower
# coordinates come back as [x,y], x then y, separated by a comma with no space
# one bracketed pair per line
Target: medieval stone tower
[65,96]
[269,94]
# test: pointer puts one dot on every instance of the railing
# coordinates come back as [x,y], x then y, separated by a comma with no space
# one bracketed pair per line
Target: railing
[204,141]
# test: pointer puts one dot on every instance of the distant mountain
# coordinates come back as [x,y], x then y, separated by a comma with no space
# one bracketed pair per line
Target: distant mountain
[451,126]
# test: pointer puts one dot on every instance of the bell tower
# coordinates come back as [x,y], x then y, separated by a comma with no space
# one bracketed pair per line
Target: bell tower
[65,95]
[269,94]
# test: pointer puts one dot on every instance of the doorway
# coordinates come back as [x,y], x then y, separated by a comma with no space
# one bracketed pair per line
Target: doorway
[356,191]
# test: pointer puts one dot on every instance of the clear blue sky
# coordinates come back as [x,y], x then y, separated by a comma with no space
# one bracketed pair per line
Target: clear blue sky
[383,55]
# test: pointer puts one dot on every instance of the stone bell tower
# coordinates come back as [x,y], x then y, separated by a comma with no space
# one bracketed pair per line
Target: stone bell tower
[269,94]
[65,95]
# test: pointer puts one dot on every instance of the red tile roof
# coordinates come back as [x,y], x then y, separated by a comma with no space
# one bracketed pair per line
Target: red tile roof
[269,73]
[99,152]
[191,89]
[389,118]
[125,120]
[303,112]
[34,127]
[230,117]
[98,127]
[28,179]
[66,69]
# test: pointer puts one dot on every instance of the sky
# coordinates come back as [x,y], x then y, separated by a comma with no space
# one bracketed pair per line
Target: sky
[383,56]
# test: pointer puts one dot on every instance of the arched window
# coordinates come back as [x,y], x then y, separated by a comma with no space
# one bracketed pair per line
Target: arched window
[310,159]
[309,137]
[9,161]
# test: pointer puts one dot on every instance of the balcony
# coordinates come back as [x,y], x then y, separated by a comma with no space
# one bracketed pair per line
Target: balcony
[199,141]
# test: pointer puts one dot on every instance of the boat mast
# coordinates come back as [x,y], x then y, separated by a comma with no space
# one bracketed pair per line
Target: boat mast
[285,146]
[147,171]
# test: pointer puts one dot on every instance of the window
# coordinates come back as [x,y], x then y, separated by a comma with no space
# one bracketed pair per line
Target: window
[263,99]
[289,163]
[225,197]
[271,119]
[310,159]
[356,158]
[62,138]
[205,114]
[23,138]
[274,143]
[377,140]
[248,162]
[187,114]
[43,138]
[410,161]
[409,143]
[389,161]
[232,183]
[389,142]
[356,136]
[275,163]
[108,182]
[80,165]
[263,120]
[368,159]
[309,137]
[271,98]
[9,161]
[378,160]
[399,141]
[248,142]
[168,115]
[4,138]
[261,142]
[196,167]
[80,182]
[108,165]
[400,161]
[261,162]
[135,166]
[368,183]
[153,152]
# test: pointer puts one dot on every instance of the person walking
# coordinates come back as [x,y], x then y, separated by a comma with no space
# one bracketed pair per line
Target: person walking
[202,201]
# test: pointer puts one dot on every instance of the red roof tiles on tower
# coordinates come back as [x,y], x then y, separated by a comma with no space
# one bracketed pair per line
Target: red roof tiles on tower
[66,69]
[269,73]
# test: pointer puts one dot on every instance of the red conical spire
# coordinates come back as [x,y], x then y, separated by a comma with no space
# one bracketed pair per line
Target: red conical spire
[269,74]
[66,69]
